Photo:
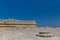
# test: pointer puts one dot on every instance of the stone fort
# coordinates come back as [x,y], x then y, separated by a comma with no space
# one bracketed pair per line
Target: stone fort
[16,24]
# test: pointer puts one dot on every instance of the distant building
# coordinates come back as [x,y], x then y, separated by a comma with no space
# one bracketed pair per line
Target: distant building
[13,23]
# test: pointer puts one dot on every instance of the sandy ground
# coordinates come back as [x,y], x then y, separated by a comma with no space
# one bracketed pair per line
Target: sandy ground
[29,34]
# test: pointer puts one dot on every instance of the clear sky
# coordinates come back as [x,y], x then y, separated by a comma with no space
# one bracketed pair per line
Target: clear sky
[45,12]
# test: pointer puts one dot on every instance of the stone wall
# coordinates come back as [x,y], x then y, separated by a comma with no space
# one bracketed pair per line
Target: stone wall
[17,24]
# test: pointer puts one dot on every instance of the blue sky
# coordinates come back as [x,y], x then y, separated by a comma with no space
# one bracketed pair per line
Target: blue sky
[45,12]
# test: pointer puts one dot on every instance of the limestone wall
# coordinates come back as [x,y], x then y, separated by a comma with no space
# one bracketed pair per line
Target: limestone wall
[17,24]
[26,26]
[7,27]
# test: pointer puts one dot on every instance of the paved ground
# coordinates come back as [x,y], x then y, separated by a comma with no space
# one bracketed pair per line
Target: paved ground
[27,34]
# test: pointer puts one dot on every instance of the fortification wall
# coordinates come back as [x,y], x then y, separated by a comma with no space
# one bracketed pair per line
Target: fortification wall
[15,24]
[26,26]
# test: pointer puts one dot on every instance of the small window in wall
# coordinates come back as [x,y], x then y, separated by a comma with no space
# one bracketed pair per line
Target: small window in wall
[5,22]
